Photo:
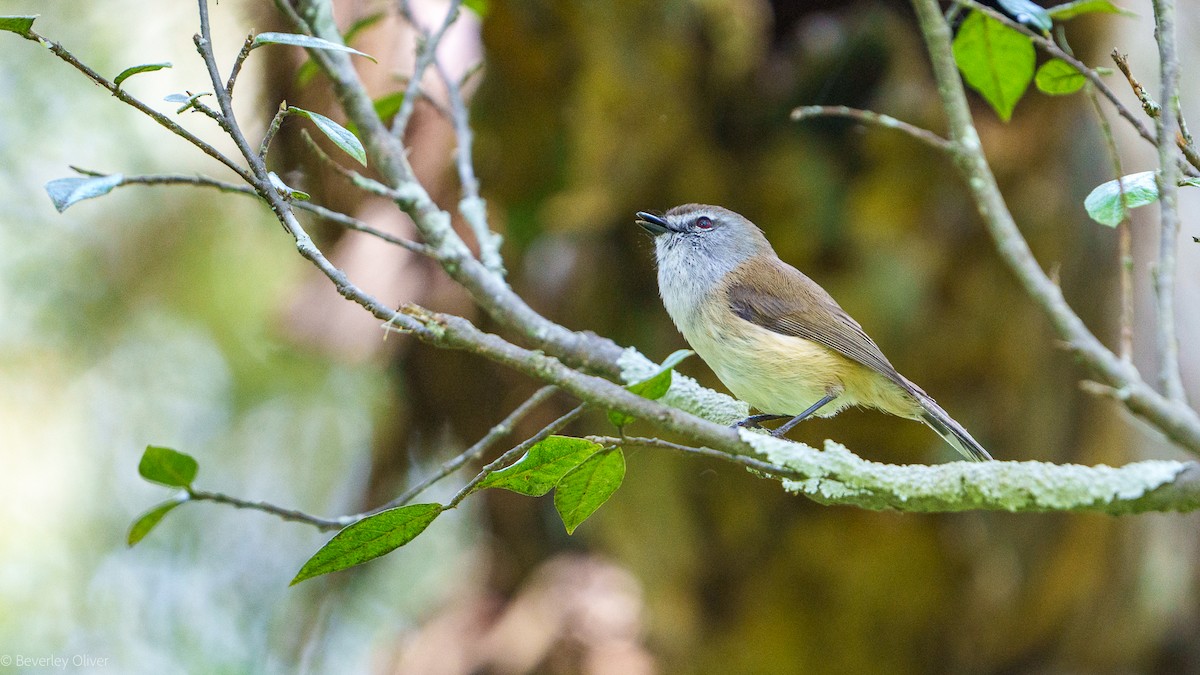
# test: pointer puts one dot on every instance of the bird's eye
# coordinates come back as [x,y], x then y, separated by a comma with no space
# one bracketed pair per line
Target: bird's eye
[704,223]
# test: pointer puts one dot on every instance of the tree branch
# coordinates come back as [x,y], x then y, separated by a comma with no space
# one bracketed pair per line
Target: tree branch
[1168,190]
[1177,421]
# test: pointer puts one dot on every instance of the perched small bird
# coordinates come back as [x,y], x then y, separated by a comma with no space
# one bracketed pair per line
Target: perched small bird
[773,336]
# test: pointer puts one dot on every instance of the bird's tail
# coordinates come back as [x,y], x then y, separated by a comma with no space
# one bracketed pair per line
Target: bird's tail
[953,432]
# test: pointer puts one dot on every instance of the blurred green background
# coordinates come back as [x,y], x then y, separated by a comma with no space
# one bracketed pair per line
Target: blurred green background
[184,318]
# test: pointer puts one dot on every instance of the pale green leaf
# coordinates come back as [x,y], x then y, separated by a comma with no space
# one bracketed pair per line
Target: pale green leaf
[586,487]
[1027,13]
[168,467]
[340,136]
[995,60]
[134,70]
[542,467]
[369,538]
[67,191]
[306,41]
[1057,77]
[1103,204]
[1071,10]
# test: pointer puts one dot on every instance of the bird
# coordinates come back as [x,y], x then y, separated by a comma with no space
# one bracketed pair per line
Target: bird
[771,334]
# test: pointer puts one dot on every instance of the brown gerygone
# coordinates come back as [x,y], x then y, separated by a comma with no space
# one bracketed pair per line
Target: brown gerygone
[773,336]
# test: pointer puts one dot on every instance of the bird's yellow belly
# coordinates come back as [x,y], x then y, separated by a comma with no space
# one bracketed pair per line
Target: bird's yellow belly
[784,375]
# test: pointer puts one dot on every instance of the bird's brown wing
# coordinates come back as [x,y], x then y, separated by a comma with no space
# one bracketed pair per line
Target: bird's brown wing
[785,301]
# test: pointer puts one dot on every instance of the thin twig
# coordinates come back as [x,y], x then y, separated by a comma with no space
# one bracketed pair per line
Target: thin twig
[743,460]
[426,54]
[508,457]
[1124,236]
[237,63]
[1149,105]
[121,95]
[272,129]
[868,117]
[472,206]
[265,507]
[1168,189]
[502,429]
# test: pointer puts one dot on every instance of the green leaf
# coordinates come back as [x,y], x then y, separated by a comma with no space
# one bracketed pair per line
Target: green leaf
[542,467]
[995,60]
[369,538]
[188,100]
[586,487]
[480,7]
[148,520]
[168,467]
[388,105]
[21,25]
[1057,77]
[309,69]
[1103,204]
[286,189]
[653,387]
[340,136]
[134,70]
[1027,13]
[306,41]
[66,191]
[1070,10]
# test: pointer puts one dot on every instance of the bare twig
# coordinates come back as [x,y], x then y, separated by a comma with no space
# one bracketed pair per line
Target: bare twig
[237,63]
[164,121]
[1149,105]
[472,206]
[427,44]
[286,514]
[873,118]
[1177,421]
[753,463]
[1168,189]
[1124,236]
[272,129]
[502,429]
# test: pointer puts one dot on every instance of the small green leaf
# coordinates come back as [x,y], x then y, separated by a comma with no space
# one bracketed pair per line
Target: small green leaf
[388,105]
[148,520]
[586,487]
[21,25]
[1103,204]
[1070,10]
[1027,13]
[168,467]
[134,70]
[341,137]
[66,191]
[188,100]
[653,387]
[542,467]
[995,60]
[306,41]
[369,538]
[361,25]
[1057,77]
[480,7]
[285,189]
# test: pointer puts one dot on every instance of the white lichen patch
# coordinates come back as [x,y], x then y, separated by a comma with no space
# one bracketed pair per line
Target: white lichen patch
[685,393]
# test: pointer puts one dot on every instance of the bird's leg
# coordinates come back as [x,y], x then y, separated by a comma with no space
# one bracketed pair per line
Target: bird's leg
[757,420]
[787,426]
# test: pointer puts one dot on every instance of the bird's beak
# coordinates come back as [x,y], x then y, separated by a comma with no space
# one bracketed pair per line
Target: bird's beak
[653,224]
